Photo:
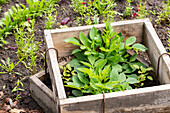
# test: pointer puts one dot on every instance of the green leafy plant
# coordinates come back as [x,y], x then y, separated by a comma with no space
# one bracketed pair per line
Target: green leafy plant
[27,47]
[8,67]
[102,63]
[128,10]
[50,19]
[18,15]
[142,11]
[18,89]
[163,15]
[142,75]
[3,1]
[68,72]
[94,8]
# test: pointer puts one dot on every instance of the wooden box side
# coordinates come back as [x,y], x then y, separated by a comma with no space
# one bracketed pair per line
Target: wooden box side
[42,94]
[129,100]
[155,49]
[127,28]
[52,63]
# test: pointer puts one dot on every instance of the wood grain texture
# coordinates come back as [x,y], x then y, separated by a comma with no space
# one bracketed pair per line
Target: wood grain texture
[42,94]
[53,67]
[130,99]
[155,49]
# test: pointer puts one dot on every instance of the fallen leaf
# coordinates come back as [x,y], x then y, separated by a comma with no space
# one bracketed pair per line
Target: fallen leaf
[17,111]
[1,94]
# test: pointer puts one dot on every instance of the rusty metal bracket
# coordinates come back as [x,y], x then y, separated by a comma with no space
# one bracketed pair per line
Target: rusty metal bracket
[46,58]
[159,64]
[104,100]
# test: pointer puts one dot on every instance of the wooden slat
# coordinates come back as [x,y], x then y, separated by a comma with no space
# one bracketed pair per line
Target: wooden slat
[42,94]
[155,49]
[129,99]
[53,67]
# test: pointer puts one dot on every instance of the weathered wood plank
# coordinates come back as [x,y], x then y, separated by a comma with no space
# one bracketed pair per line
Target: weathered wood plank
[155,49]
[130,99]
[53,67]
[42,94]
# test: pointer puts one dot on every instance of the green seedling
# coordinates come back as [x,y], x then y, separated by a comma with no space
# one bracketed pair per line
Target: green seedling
[163,15]
[142,75]
[68,72]
[18,89]
[128,10]
[50,19]
[8,67]
[143,13]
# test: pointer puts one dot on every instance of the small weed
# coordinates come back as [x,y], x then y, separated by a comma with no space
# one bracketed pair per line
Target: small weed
[128,10]
[142,12]
[163,16]
[18,89]
[8,67]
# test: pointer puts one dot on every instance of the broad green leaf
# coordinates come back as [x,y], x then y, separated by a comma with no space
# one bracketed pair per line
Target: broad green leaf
[117,67]
[83,79]
[76,81]
[95,80]
[100,85]
[114,76]
[76,51]
[114,59]
[77,93]
[72,85]
[84,70]
[87,53]
[72,40]
[121,46]
[101,64]
[83,47]
[105,50]
[106,71]
[122,77]
[91,59]
[83,39]
[80,56]
[93,32]
[86,64]
[133,58]
[74,62]
[149,77]
[132,76]
[125,85]
[139,47]
[130,41]
[109,85]
[92,84]
[132,80]
[96,63]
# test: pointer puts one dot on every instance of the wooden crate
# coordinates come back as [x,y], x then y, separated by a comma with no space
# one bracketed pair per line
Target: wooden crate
[125,100]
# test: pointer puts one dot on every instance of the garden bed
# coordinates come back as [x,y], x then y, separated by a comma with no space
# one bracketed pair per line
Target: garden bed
[145,34]
[64,10]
